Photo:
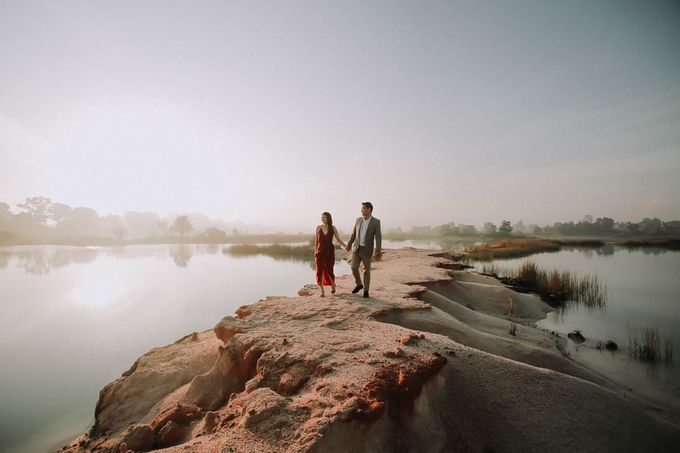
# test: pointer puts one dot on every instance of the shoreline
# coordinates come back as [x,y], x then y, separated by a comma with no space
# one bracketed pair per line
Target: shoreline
[669,242]
[316,374]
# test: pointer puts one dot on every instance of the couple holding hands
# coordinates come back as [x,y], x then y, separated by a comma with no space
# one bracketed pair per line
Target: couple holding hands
[366,230]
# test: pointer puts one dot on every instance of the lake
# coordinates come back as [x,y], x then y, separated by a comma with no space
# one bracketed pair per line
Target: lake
[642,292]
[72,319]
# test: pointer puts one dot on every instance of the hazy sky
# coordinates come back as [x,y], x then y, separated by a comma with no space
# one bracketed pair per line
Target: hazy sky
[275,111]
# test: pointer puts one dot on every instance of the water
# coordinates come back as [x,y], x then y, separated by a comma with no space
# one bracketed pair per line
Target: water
[72,319]
[642,291]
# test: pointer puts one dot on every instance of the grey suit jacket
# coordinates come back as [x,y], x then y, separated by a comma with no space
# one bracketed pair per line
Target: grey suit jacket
[372,233]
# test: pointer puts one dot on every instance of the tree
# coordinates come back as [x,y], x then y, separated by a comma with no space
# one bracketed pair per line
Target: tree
[40,208]
[215,234]
[5,214]
[447,229]
[60,212]
[633,228]
[519,227]
[119,231]
[467,230]
[604,225]
[182,225]
[650,226]
[489,228]
[505,227]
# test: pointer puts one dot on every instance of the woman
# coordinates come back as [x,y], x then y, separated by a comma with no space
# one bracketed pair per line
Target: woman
[324,252]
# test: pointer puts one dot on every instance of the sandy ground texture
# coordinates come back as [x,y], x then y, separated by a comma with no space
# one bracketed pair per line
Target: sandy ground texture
[426,364]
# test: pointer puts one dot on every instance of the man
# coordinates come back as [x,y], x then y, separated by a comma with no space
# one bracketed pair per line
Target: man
[366,229]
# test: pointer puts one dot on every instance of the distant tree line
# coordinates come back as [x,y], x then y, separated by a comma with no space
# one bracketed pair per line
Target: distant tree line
[605,226]
[42,220]
[39,219]
[601,226]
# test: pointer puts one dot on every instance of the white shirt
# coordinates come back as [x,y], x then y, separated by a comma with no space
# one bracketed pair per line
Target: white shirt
[362,231]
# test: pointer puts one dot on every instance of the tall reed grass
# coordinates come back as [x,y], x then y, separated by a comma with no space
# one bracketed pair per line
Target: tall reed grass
[646,344]
[552,285]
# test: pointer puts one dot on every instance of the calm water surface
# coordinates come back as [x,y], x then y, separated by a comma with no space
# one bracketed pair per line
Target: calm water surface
[73,319]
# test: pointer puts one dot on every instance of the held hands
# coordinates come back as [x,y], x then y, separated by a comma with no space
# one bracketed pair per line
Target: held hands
[347,247]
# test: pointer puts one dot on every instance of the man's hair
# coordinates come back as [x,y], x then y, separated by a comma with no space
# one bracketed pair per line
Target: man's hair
[368,204]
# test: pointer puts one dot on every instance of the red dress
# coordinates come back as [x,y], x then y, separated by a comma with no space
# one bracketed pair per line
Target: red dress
[324,257]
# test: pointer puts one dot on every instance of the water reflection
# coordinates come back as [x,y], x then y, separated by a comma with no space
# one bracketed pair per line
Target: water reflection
[604,250]
[39,260]
[181,254]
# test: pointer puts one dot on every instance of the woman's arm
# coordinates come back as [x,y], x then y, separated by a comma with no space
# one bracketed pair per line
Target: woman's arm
[337,236]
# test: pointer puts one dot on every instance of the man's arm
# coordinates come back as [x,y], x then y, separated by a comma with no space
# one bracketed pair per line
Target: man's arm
[378,240]
[353,237]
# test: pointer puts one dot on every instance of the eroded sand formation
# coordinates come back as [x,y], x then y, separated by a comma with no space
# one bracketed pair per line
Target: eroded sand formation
[425,365]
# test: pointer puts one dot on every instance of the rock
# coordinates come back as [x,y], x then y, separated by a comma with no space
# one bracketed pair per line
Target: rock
[258,406]
[169,435]
[243,311]
[140,438]
[227,328]
[394,353]
[293,378]
[234,366]
[576,336]
[308,290]
[609,345]
[179,413]
[410,338]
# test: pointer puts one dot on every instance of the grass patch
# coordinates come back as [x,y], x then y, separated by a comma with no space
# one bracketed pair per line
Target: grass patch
[285,252]
[274,250]
[647,345]
[553,286]
[668,243]
[510,248]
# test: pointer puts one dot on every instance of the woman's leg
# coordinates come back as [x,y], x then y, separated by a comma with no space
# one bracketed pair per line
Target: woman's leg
[319,277]
[331,277]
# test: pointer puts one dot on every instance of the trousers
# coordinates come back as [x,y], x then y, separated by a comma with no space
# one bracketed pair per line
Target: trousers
[357,257]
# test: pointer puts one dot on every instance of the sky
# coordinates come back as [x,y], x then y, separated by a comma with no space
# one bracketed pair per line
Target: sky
[272,112]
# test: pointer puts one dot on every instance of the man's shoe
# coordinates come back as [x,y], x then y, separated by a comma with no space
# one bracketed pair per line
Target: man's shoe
[365,294]
[357,288]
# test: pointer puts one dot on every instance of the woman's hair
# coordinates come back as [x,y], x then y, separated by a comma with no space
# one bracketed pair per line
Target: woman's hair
[330,220]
